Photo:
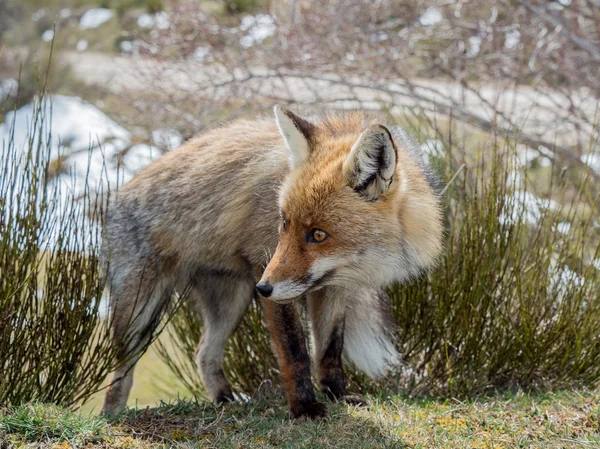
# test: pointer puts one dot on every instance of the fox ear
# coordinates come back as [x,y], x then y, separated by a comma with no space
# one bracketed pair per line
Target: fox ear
[296,132]
[371,164]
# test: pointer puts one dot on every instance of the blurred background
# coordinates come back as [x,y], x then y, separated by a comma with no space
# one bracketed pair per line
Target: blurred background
[152,73]
[132,79]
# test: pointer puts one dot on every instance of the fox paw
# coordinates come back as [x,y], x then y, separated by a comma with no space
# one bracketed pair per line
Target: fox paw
[355,399]
[314,410]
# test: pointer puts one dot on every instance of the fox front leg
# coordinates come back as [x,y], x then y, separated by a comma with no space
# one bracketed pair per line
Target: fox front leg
[287,339]
[327,311]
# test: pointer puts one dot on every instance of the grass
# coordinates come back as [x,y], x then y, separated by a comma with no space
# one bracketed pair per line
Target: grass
[552,420]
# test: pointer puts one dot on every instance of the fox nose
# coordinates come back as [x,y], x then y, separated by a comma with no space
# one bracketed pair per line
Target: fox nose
[264,289]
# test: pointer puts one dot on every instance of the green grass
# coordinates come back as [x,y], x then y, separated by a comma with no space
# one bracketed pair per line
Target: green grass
[556,420]
[41,422]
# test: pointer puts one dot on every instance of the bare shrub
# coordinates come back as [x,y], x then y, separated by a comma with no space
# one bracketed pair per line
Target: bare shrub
[55,344]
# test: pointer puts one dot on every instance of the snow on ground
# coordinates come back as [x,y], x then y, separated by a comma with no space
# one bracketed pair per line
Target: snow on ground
[474,46]
[87,139]
[563,227]
[48,35]
[562,279]
[93,18]
[75,123]
[81,45]
[126,46]
[257,28]
[200,53]
[431,17]
[145,20]
[162,20]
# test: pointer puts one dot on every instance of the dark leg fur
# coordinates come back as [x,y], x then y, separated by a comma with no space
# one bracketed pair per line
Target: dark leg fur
[331,374]
[327,311]
[289,344]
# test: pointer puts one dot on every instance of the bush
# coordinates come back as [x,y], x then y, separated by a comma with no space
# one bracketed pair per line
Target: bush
[515,301]
[54,344]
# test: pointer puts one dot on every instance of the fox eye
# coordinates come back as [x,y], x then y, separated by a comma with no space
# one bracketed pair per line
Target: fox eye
[317,236]
[283,225]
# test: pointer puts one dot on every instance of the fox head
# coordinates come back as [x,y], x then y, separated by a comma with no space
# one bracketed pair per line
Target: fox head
[348,215]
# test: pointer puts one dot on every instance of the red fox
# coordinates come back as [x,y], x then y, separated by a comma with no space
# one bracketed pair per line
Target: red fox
[345,202]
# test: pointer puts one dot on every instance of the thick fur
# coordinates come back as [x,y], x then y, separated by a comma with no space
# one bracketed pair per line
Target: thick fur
[207,217]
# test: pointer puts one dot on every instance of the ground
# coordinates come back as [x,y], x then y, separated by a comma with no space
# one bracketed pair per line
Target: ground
[557,420]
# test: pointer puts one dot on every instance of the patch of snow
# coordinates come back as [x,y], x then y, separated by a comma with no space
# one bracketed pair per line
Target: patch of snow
[562,279]
[592,160]
[258,28]
[596,264]
[512,39]
[563,227]
[525,155]
[48,35]
[474,46]
[81,45]
[95,17]
[432,16]
[145,20]
[162,20]
[246,41]
[515,179]
[168,138]
[200,53]
[545,162]
[64,13]
[126,46]
[525,207]
[565,2]
[350,56]
[433,148]
[75,126]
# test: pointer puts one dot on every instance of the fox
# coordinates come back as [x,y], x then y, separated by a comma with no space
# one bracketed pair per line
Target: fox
[311,215]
